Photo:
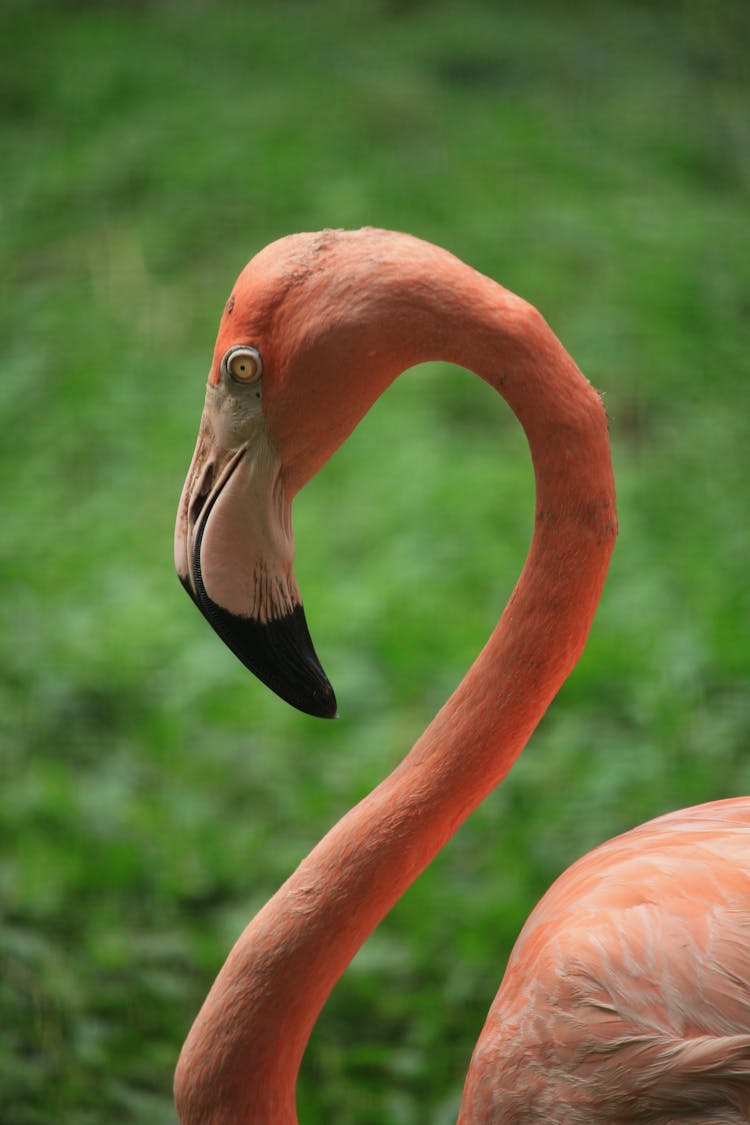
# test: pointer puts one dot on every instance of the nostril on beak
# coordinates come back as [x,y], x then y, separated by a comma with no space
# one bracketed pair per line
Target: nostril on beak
[204,491]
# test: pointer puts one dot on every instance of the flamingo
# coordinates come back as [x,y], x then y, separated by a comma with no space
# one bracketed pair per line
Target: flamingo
[626,997]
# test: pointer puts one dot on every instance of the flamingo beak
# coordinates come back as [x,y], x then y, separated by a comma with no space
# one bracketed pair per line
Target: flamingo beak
[233,553]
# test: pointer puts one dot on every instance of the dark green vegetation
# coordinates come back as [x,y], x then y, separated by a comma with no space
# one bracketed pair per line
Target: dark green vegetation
[153,794]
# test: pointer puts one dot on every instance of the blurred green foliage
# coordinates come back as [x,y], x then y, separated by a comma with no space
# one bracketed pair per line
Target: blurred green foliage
[594,159]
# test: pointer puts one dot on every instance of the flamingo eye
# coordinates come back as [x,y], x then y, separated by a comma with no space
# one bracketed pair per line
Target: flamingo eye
[243,364]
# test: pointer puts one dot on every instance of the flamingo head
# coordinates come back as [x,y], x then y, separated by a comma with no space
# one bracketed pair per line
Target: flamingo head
[307,317]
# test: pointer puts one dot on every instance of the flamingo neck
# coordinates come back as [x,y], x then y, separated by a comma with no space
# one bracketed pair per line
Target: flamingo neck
[241,1059]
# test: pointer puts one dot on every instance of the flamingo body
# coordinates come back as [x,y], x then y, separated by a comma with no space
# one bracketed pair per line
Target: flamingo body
[626,996]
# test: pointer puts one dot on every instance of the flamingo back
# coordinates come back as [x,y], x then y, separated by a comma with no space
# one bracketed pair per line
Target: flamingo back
[627,994]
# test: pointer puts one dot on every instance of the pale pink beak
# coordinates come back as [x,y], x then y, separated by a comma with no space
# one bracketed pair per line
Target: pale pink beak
[233,553]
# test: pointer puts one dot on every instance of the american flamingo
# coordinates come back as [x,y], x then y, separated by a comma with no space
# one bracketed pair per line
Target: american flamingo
[626,997]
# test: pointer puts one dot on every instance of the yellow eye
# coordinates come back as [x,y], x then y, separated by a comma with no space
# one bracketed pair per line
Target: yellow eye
[243,364]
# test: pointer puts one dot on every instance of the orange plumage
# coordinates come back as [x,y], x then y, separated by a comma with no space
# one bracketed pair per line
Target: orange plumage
[625,999]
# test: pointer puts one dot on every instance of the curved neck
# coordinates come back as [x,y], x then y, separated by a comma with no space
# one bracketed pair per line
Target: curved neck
[242,1056]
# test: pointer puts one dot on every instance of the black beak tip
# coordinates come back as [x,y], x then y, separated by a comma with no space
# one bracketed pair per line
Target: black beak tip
[321,703]
[279,652]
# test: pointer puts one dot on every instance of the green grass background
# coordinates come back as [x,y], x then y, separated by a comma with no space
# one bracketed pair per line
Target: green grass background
[594,158]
